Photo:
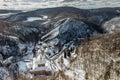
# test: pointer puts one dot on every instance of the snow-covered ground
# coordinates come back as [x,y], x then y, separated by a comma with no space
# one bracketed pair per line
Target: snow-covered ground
[5,15]
[30,19]
[53,63]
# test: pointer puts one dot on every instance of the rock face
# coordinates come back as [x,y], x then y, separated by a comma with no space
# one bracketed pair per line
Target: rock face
[61,43]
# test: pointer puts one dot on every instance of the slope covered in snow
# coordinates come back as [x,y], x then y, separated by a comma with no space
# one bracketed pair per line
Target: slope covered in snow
[53,43]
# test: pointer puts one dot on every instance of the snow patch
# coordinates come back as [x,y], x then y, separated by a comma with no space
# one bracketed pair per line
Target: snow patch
[5,15]
[30,19]
[22,66]
[45,16]
[76,74]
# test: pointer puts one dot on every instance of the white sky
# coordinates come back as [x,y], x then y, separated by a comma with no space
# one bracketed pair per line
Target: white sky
[20,5]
